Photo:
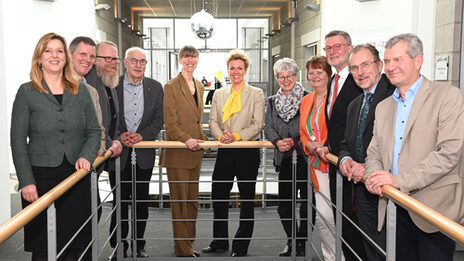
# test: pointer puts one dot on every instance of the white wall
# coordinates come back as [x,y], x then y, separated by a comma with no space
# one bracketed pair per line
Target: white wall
[22,23]
[4,141]
[377,21]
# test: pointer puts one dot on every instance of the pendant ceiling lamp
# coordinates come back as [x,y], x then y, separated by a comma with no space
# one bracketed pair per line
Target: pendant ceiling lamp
[202,23]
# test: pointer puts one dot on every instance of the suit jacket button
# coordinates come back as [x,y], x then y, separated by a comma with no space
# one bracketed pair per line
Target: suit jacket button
[60,110]
[62,131]
[198,122]
[62,142]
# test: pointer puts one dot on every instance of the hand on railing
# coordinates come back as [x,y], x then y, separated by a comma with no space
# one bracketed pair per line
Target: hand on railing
[284,144]
[377,179]
[194,144]
[82,163]
[29,193]
[116,149]
[352,170]
[322,152]
[227,137]
[129,138]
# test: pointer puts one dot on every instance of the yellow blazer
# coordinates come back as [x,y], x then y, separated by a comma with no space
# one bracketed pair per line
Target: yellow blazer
[430,161]
[182,120]
[248,122]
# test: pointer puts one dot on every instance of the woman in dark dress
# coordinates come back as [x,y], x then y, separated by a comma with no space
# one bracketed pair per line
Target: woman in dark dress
[54,132]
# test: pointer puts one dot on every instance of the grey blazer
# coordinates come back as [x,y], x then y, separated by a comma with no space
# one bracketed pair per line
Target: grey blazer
[248,122]
[152,120]
[277,129]
[43,131]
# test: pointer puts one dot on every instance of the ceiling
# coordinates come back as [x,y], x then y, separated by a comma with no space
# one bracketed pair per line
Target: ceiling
[218,8]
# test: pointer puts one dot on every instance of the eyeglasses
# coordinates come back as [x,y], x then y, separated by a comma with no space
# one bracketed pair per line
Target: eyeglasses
[335,47]
[110,59]
[135,61]
[363,66]
[286,78]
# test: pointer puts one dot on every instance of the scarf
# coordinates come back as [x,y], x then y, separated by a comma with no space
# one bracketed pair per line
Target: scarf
[287,106]
[233,104]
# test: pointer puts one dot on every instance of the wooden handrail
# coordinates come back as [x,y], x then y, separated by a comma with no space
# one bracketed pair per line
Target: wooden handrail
[446,225]
[206,144]
[10,227]
[15,223]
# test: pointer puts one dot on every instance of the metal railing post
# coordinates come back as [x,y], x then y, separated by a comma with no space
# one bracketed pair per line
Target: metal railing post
[338,218]
[264,175]
[134,201]
[94,205]
[51,232]
[119,251]
[160,174]
[391,231]
[309,182]
[294,169]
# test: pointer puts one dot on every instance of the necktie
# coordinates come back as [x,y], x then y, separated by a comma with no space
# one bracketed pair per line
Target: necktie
[358,146]
[335,93]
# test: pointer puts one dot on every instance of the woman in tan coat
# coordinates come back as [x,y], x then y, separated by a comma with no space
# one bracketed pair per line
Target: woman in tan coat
[183,113]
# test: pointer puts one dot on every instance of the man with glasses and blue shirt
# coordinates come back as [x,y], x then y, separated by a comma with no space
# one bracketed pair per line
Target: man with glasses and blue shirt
[366,68]
[140,102]
[417,148]
[342,89]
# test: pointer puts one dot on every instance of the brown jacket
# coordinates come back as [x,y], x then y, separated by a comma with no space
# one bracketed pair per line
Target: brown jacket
[430,161]
[183,120]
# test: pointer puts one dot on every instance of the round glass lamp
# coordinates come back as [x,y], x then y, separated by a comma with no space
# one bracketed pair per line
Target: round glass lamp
[202,24]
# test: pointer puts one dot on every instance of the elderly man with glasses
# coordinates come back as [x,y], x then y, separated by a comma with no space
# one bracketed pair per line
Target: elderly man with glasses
[366,68]
[140,101]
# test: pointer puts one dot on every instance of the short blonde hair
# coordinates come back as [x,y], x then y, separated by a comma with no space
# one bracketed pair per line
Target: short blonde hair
[238,55]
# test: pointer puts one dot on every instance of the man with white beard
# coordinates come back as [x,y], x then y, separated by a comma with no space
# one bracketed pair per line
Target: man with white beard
[104,78]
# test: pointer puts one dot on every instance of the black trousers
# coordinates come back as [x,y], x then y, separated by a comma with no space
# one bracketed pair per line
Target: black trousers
[243,164]
[284,207]
[349,233]
[367,213]
[414,244]
[142,185]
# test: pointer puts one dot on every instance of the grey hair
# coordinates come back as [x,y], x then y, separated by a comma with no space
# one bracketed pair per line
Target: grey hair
[368,47]
[415,46]
[344,34]
[285,64]
[133,48]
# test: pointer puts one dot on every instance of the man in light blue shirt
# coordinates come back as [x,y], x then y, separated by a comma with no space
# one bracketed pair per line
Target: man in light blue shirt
[417,148]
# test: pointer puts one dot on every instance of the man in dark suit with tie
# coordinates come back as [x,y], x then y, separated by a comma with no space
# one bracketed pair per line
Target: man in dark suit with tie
[140,101]
[342,89]
[366,68]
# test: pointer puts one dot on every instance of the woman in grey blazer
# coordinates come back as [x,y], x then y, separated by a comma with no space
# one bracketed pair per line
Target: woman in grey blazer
[237,113]
[283,130]
[54,131]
